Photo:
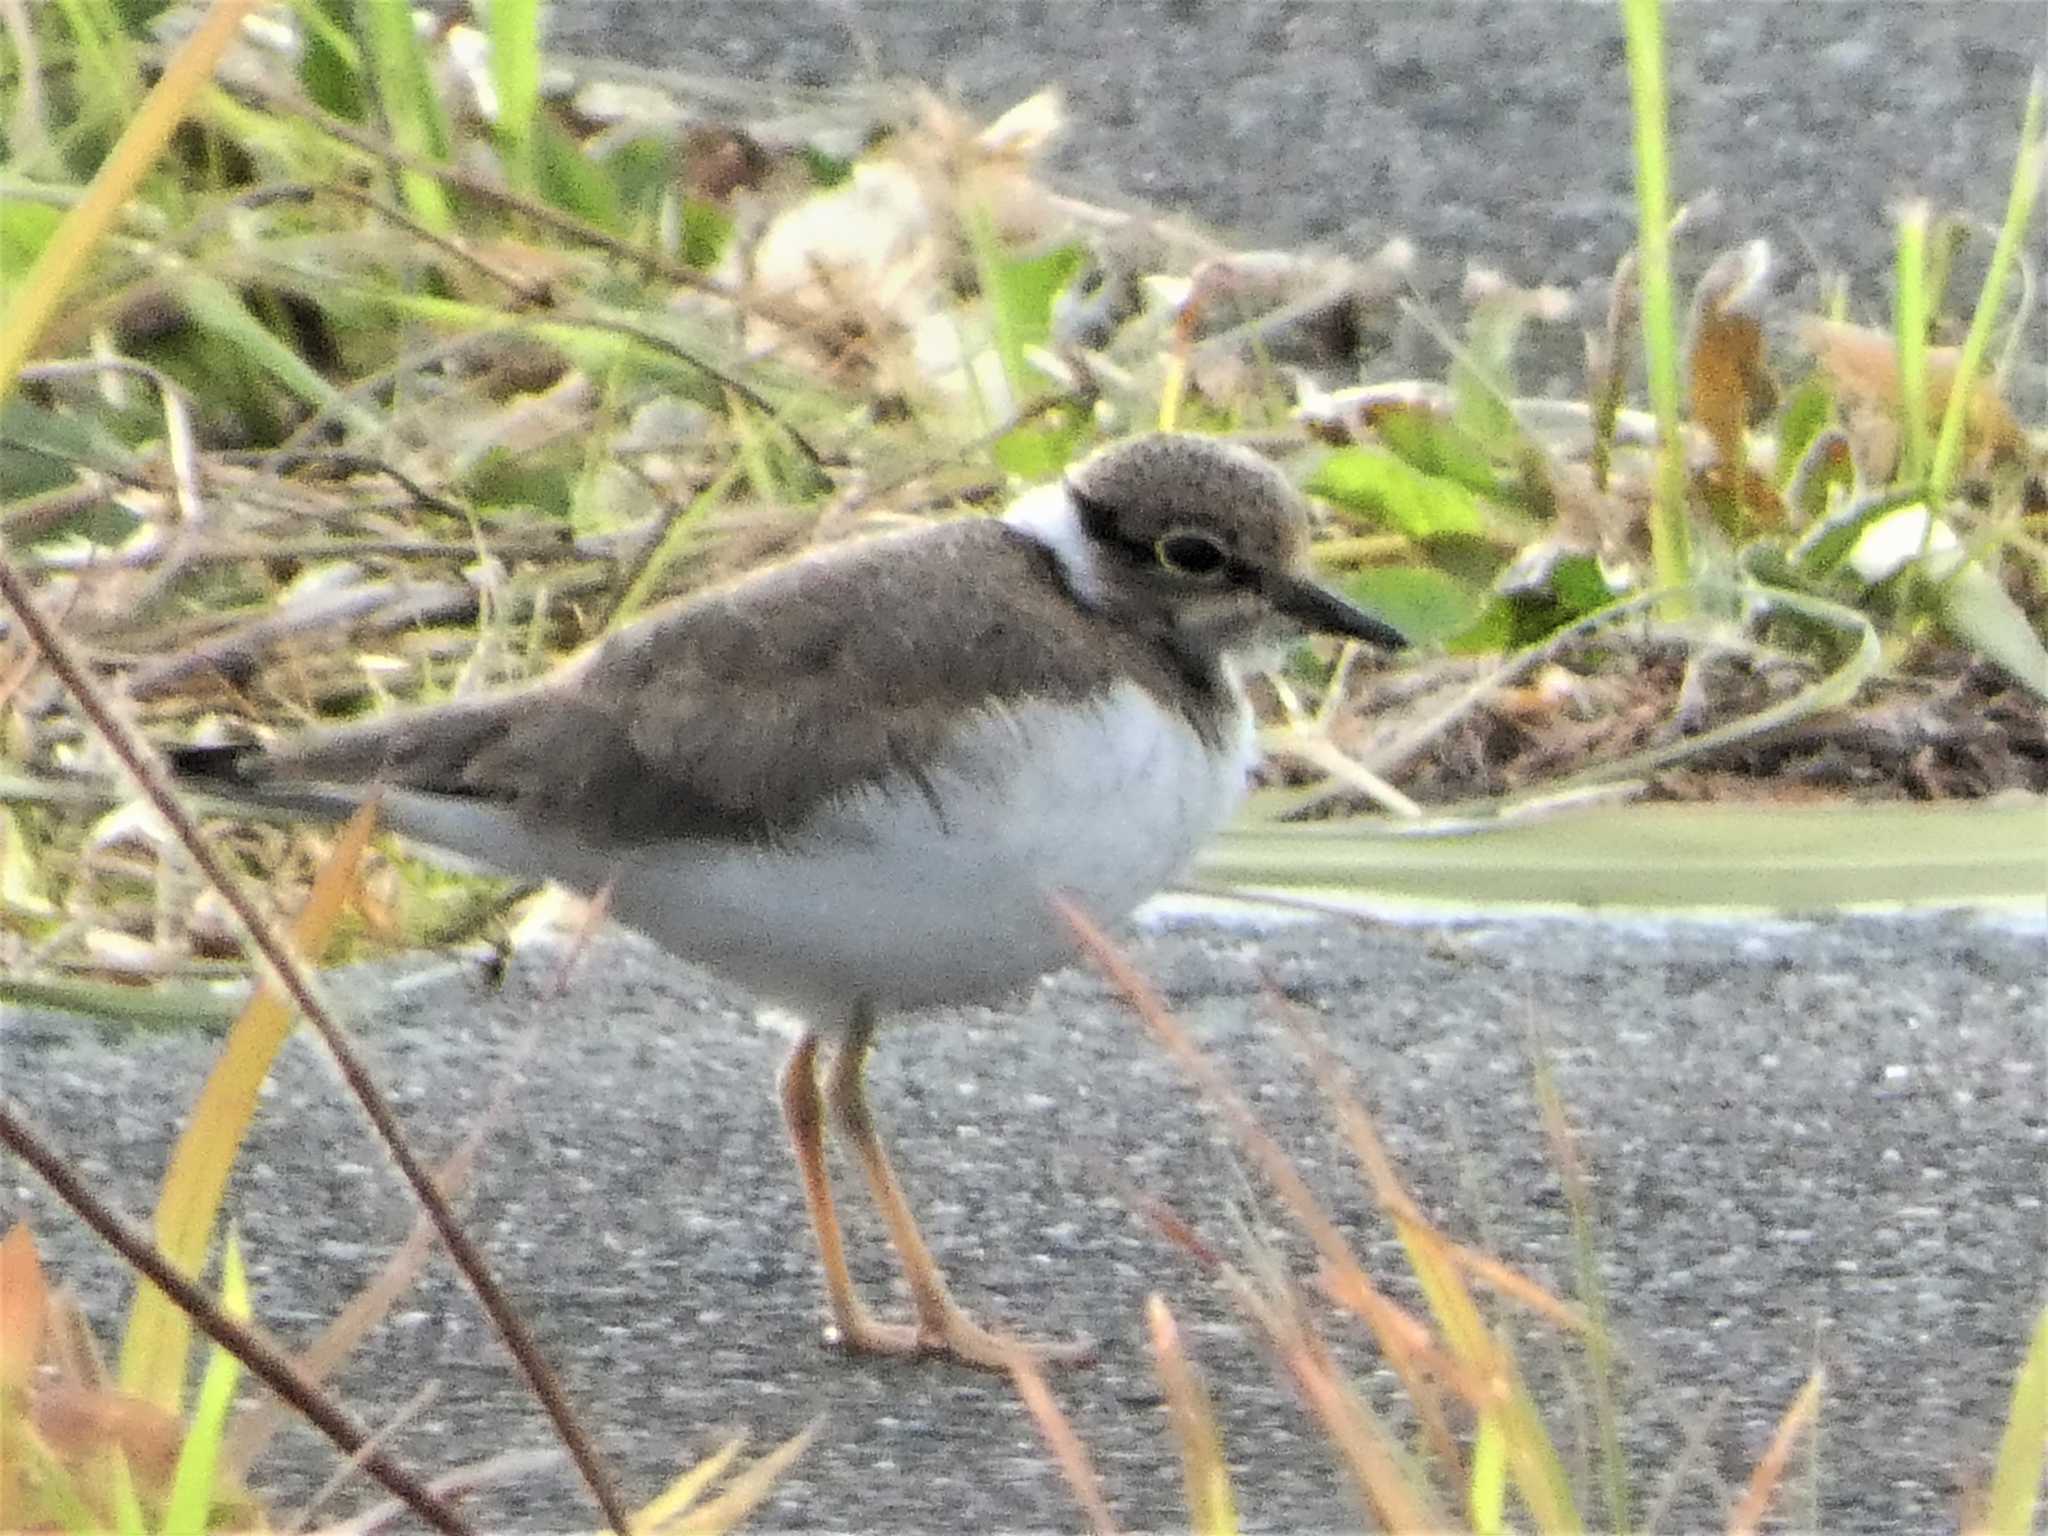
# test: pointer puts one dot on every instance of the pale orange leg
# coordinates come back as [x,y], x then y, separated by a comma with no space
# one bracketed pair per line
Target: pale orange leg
[942,1327]
[803,1109]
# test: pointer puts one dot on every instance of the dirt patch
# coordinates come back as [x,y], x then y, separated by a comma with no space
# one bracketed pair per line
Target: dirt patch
[1951,728]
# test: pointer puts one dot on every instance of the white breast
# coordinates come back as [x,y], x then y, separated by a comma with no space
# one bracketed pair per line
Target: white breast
[907,899]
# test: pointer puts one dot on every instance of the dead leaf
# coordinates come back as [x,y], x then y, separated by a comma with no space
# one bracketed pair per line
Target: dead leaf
[77,1422]
[1732,387]
[1863,365]
[28,1304]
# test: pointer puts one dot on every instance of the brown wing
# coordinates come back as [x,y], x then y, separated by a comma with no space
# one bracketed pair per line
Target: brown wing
[738,712]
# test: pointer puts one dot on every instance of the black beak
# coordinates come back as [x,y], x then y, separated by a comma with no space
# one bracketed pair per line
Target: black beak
[1317,609]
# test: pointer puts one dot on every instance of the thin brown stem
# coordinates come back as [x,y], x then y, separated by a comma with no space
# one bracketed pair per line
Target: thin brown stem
[265,1360]
[291,976]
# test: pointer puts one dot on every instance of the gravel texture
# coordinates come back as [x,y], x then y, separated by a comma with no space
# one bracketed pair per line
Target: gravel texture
[1810,1145]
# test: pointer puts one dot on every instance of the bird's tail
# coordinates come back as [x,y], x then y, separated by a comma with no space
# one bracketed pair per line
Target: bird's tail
[234,773]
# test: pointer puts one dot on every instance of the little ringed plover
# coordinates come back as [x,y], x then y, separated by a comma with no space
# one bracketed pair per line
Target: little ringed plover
[853,784]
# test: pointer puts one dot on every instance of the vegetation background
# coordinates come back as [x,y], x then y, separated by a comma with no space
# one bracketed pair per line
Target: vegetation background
[416,256]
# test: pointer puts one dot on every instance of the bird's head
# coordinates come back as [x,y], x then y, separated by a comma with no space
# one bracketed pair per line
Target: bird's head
[1198,541]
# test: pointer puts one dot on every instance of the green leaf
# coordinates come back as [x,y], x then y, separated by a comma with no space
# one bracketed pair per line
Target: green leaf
[1824,468]
[1482,375]
[22,888]
[219,309]
[198,1470]
[641,171]
[39,448]
[25,228]
[1495,630]
[331,67]
[707,230]
[1828,542]
[103,54]
[569,180]
[500,478]
[1371,481]
[1421,601]
[825,170]
[1578,583]
[1037,452]
[138,16]
[1428,442]
[1976,609]
[1549,586]
[1019,293]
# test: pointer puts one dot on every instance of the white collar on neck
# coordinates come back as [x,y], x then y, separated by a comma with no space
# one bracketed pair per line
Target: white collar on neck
[1047,515]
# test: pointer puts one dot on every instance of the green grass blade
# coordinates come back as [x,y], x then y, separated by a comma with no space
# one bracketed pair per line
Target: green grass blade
[194,1480]
[2027,171]
[1018,292]
[58,1496]
[515,76]
[30,304]
[170,1006]
[1592,1292]
[1976,608]
[1212,1506]
[105,60]
[1528,1455]
[1909,324]
[155,1343]
[331,69]
[220,310]
[413,110]
[129,1519]
[1487,1496]
[1670,527]
[2016,1474]
[681,533]
[1663,858]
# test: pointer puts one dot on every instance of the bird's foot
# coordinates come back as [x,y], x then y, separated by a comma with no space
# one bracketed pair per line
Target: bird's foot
[953,1335]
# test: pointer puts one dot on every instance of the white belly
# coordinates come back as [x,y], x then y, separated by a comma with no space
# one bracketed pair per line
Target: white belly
[905,900]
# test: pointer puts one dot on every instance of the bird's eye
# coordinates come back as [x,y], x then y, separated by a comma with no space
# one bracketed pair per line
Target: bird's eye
[1187,553]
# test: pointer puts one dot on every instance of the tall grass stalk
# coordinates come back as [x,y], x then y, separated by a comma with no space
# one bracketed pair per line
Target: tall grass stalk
[35,302]
[413,110]
[1600,1359]
[2016,1473]
[106,60]
[2019,211]
[1909,323]
[1670,529]
[515,78]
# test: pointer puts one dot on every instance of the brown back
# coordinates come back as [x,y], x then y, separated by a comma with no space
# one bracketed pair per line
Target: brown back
[738,713]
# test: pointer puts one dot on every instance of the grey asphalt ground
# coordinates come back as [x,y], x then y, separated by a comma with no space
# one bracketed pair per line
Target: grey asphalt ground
[1810,1145]
[1491,133]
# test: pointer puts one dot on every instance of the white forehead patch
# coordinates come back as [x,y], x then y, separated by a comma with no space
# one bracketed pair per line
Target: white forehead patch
[1047,514]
